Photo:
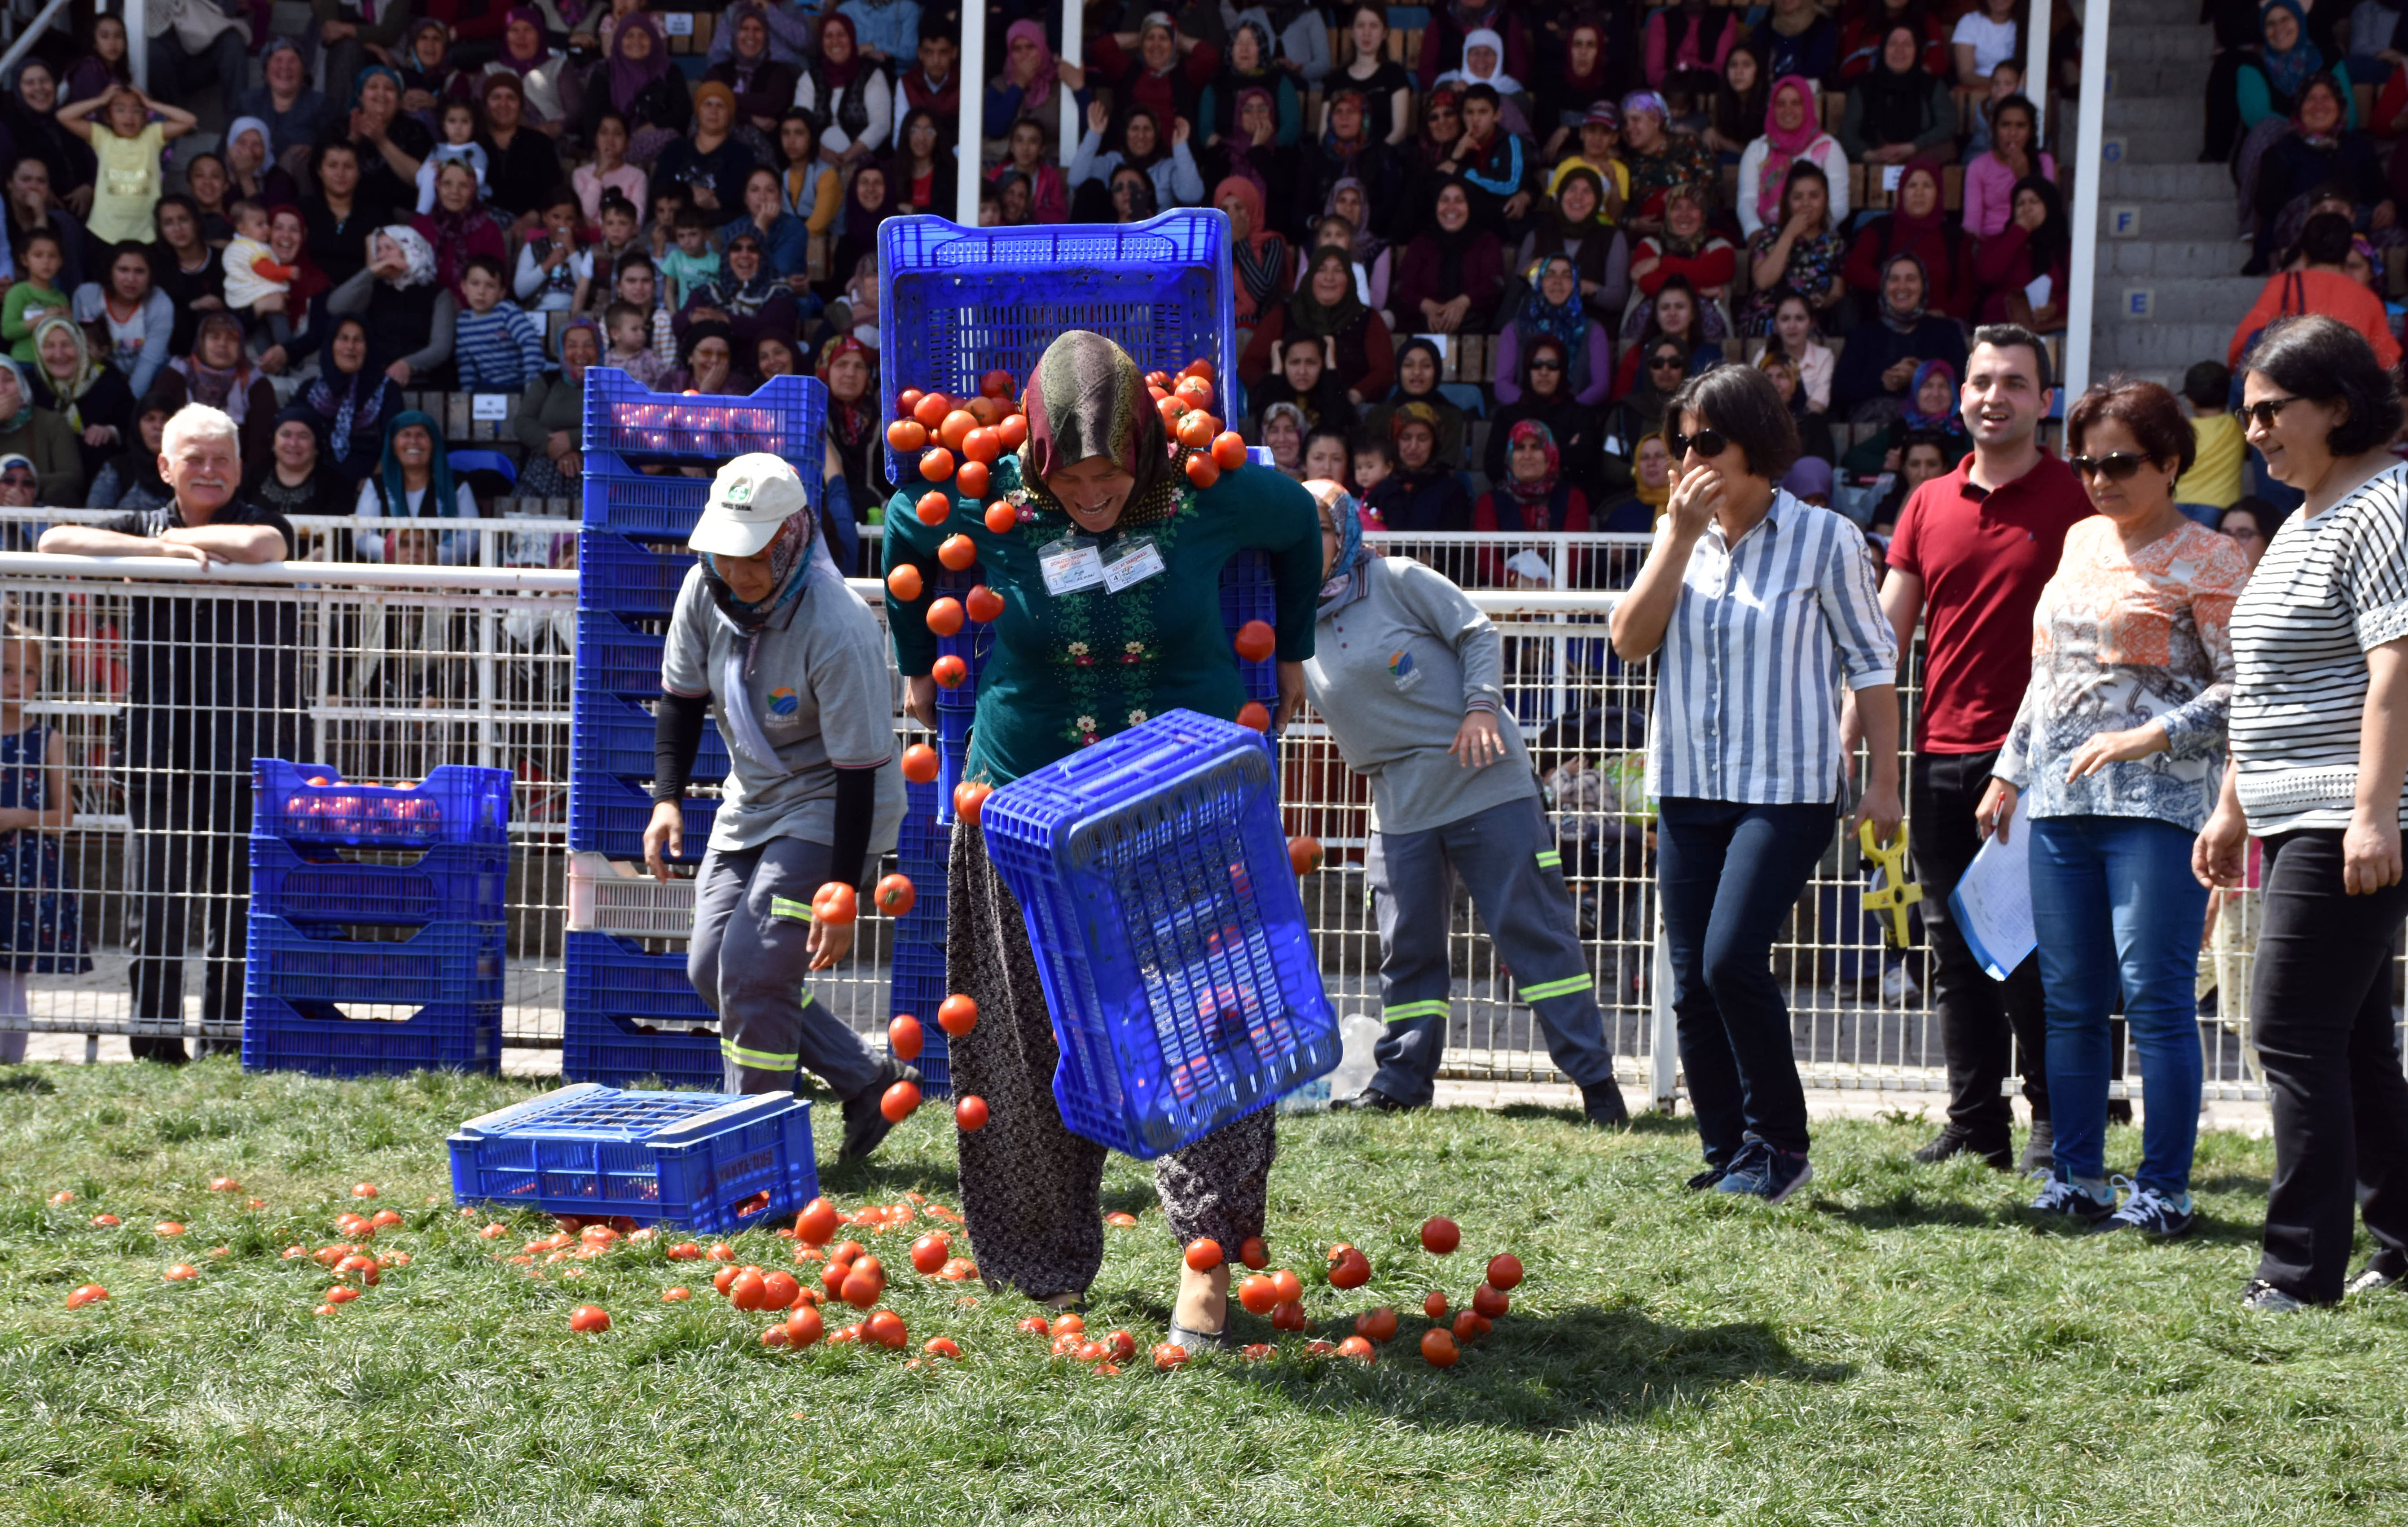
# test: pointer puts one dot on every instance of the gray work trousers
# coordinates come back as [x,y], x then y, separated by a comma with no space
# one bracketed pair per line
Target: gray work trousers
[749,960]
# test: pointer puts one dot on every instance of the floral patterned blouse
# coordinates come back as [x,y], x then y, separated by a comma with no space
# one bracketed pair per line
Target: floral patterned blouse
[2120,640]
[1815,264]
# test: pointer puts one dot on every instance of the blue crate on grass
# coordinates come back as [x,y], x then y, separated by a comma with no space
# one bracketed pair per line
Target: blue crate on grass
[607,816]
[457,802]
[955,303]
[611,735]
[784,417]
[621,499]
[708,1161]
[615,1051]
[1171,940]
[455,881]
[443,962]
[611,975]
[318,1039]
[627,576]
[616,658]
[1248,593]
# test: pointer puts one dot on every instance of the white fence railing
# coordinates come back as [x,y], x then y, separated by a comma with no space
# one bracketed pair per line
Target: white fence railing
[385,672]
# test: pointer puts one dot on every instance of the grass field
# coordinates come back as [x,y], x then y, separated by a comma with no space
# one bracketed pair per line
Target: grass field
[1893,1346]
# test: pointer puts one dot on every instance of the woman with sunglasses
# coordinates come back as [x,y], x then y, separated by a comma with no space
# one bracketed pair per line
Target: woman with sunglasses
[1763,608]
[2114,756]
[2319,729]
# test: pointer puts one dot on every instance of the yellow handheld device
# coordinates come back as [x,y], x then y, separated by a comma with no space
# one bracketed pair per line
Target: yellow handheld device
[1897,892]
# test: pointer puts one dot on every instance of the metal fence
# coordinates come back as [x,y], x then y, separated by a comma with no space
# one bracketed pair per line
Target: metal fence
[383,672]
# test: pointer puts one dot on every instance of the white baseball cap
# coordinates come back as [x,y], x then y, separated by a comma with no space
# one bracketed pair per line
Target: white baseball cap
[750,498]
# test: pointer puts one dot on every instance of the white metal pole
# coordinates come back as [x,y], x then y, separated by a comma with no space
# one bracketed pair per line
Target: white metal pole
[137,46]
[2089,141]
[968,150]
[1074,50]
[1663,1032]
[2036,80]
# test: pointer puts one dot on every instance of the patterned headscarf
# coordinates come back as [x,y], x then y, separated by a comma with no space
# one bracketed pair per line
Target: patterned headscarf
[1784,146]
[2287,70]
[1912,415]
[1565,321]
[353,406]
[415,250]
[228,387]
[1346,517]
[789,549]
[1534,493]
[87,370]
[1088,398]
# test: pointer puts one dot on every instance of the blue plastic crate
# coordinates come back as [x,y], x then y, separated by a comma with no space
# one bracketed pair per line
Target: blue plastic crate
[611,735]
[955,303]
[918,979]
[625,501]
[970,644]
[626,577]
[784,417]
[1248,593]
[316,1037]
[708,1161]
[1171,940]
[617,1052]
[443,962]
[459,881]
[615,658]
[457,802]
[607,816]
[611,975]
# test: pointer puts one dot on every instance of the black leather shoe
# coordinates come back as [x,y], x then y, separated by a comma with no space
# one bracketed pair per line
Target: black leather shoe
[1372,1099]
[1952,1141]
[1604,1107]
[865,1126]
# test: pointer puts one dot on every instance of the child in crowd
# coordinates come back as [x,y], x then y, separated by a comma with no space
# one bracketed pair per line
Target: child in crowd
[2213,480]
[638,283]
[1374,460]
[621,234]
[458,142]
[127,143]
[2005,81]
[41,930]
[497,348]
[35,294]
[554,275]
[631,344]
[251,268]
[693,262]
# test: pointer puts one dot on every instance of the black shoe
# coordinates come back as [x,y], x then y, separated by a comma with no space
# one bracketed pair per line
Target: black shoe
[1604,1107]
[2040,1149]
[1372,1099]
[866,1127]
[2119,1110]
[1711,1178]
[1952,1141]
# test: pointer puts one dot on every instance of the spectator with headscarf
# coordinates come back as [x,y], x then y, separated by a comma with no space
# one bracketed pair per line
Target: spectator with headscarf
[1165,75]
[2020,275]
[1915,224]
[1685,247]
[1033,86]
[849,94]
[763,88]
[637,81]
[1163,157]
[1325,306]
[1253,152]
[130,479]
[1349,148]
[1248,67]
[1453,272]
[550,418]
[218,372]
[410,313]
[1897,110]
[1676,313]
[295,477]
[1568,227]
[1373,256]
[1543,396]
[1793,135]
[352,398]
[1552,309]
[523,164]
[297,114]
[41,435]
[413,482]
[1257,252]
[1686,45]
[1877,369]
[2321,154]
[712,160]
[90,395]
[1584,74]
[1802,255]
[30,112]
[461,226]
[390,146]
[1418,368]
[1658,160]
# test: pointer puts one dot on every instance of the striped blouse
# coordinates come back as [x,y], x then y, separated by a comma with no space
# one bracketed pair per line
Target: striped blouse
[1747,684]
[2328,589]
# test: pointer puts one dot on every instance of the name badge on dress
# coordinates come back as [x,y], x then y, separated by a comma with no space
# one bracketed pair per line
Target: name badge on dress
[1136,560]
[1070,564]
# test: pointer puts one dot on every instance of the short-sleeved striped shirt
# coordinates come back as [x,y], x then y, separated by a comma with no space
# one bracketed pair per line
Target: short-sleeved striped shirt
[1747,684]
[2328,589]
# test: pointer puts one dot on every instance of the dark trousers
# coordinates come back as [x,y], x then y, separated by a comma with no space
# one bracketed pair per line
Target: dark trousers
[2320,1011]
[750,960]
[188,846]
[1730,875]
[1982,1022]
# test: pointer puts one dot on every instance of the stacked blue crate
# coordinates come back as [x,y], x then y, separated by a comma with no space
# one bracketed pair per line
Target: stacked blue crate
[918,986]
[629,1013]
[375,896]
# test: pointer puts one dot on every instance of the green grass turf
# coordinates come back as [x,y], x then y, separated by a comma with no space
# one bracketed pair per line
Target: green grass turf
[1893,1346]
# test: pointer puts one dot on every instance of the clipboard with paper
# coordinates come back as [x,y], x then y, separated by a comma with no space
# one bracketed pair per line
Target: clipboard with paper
[1992,902]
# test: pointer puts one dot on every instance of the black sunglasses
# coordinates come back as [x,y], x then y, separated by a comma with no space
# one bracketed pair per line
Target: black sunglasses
[2115,468]
[1665,362]
[1544,364]
[2263,411]
[1706,443]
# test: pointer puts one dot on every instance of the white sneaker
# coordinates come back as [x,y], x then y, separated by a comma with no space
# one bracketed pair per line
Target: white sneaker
[1897,986]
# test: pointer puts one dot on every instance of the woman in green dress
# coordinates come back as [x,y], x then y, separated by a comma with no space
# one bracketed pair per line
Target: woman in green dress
[1111,613]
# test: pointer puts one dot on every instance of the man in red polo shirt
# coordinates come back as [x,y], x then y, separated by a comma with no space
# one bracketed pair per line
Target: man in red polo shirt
[1971,555]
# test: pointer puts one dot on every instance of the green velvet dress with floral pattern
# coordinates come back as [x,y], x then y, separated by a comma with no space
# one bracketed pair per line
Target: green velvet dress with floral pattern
[1068,670]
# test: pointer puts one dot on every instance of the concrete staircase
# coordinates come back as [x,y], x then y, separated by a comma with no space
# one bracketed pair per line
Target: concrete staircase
[2170,287]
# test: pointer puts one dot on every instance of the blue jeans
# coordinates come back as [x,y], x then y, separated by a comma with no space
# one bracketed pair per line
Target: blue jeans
[1730,875]
[2115,908]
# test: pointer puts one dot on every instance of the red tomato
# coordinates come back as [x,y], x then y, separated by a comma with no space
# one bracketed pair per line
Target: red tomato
[850,1334]
[1351,1270]
[1359,1348]
[779,1290]
[958,552]
[903,581]
[816,1223]
[898,1102]
[945,616]
[1195,431]
[803,1326]
[167,1227]
[584,1318]
[930,409]
[1204,1254]
[1379,1324]
[341,1296]
[1002,519]
[364,1266]
[1490,1301]
[181,1272]
[936,464]
[365,1189]
[955,429]
[1034,1325]
[1304,854]
[1504,1271]
[88,1293]
[983,603]
[724,1276]
[601,1238]
[1469,1324]
[981,445]
[970,1113]
[1203,471]
[1256,640]
[973,479]
[1258,1295]
[948,671]
[850,1251]
[864,1283]
[969,798]
[1252,714]
[1434,1304]
[933,508]
[1167,1356]
[1254,1253]
[1195,392]
[929,1253]
[1229,450]
[886,1329]
[942,1347]
[1169,408]
[958,1014]
[721,1251]
[684,1251]
[906,435]
[903,1034]
[1440,1235]
[676,1296]
[225,1185]
[1438,1349]
[909,398]
[1069,1325]
[921,763]
[746,1290]
[105,1221]
[1318,1348]
[1256,1351]
[835,902]
[956,1269]
[995,384]
[1290,1287]
[775,1335]
[61,1198]
[1015,431]
[832,1277]
[1288,1314]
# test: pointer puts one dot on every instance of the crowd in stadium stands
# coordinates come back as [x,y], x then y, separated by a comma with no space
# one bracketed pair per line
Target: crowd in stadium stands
[1477,246]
